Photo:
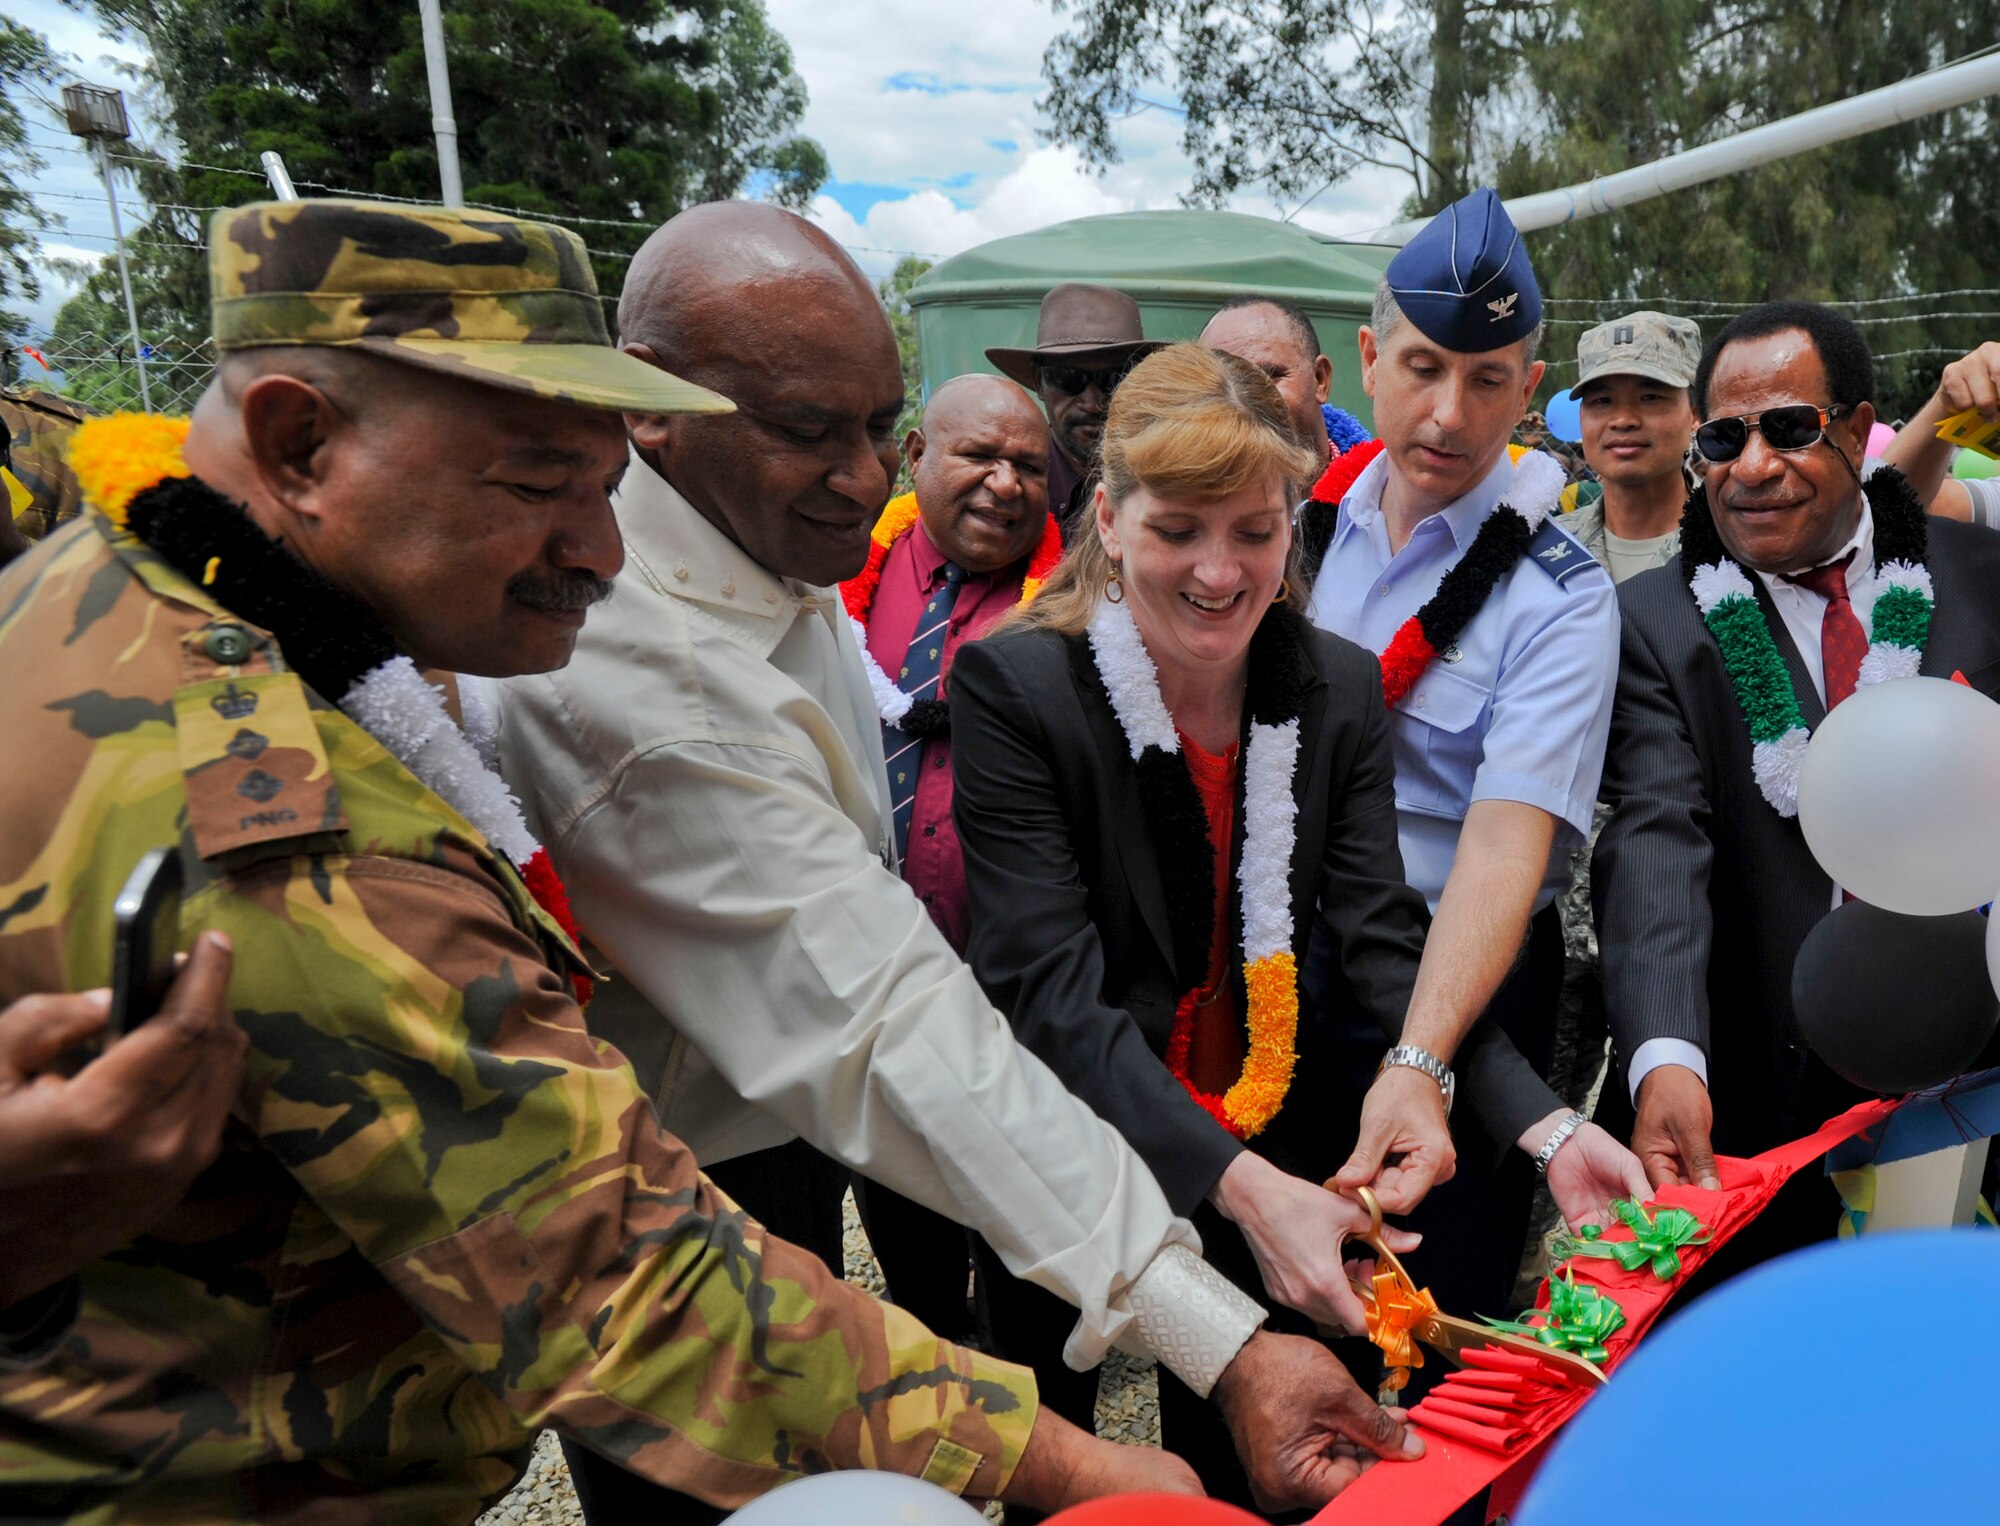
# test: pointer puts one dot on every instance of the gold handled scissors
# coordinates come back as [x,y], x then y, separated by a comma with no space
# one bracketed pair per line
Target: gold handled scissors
[1398,1310]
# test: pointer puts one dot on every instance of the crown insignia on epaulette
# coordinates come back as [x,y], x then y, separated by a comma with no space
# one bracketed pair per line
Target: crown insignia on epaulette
[233,704]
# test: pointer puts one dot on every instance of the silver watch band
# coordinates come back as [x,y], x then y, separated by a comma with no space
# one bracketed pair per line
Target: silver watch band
[1423,1060]
[1557,1139]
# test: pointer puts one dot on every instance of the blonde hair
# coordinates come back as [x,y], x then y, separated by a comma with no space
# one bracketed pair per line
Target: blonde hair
[1187,423]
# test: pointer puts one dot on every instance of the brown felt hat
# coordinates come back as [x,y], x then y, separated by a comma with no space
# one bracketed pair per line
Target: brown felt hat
[1080,324]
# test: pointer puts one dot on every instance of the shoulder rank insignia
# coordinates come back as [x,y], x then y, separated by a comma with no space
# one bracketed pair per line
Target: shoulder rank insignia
[253,763]
[1559,556]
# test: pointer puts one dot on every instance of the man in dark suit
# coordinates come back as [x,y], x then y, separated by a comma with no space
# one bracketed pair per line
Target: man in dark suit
[1705,887]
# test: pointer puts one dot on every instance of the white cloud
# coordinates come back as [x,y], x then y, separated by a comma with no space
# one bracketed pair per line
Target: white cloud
[929,119]
[1047,185]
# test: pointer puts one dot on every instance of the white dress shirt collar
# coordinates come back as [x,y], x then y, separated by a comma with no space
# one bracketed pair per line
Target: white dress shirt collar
[1462,516]
[1803,611]
[677,550]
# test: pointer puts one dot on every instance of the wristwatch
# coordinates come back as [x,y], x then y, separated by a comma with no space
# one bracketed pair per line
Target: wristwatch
[1429,1064]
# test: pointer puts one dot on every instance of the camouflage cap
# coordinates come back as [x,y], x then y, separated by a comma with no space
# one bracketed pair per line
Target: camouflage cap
[1656,345]
[480,295]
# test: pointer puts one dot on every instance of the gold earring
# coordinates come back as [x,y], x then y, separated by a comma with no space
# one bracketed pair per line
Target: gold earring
[1114,588]
[1284,593]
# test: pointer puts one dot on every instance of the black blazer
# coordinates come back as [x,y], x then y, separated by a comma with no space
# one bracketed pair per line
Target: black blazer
[1070,930]
[1704,893]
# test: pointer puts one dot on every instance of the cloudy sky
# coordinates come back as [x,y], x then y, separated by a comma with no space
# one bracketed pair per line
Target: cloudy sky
[927,112]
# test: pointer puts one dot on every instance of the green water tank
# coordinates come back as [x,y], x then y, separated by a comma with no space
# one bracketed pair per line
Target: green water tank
[1180,265]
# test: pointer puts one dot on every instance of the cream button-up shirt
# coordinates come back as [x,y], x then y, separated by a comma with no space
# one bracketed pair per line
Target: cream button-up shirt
[707,776]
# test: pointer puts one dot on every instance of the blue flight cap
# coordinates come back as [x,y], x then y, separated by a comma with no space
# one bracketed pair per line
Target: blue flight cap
[1465,280]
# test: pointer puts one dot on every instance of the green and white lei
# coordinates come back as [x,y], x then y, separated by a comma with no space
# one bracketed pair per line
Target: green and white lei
[1899,626]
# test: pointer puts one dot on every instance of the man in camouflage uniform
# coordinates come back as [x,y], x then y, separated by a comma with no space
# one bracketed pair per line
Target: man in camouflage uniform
[41,489]
[442,1216]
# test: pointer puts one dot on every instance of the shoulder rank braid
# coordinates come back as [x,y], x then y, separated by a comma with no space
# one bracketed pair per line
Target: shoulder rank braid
[1899,625]
[1177,823]
[131,469]
[920,719]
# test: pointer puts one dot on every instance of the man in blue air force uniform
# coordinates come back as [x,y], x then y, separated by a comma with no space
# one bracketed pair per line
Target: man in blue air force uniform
[1499,641]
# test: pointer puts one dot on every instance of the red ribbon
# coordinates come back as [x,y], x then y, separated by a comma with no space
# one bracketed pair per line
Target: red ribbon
[1452,1471]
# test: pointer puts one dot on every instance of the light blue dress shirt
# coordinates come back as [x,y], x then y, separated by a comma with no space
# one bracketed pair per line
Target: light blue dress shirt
[1519,709]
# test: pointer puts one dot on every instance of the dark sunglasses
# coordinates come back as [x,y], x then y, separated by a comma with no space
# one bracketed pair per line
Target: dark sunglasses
[1792,427]
[1074,381]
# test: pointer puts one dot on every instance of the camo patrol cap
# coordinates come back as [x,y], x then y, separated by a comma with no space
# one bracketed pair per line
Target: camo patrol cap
[473,294]
[1658,346]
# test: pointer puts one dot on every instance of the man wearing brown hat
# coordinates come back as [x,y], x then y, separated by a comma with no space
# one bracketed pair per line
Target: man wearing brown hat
[1086,339]
[443,1216]
[1637,424]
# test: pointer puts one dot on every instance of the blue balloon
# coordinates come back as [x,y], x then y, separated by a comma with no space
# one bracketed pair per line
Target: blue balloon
[1851,1383]
[857,1499]
[1565,416]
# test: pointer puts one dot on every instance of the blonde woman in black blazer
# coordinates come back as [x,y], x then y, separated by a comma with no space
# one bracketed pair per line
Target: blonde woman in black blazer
[1091,877]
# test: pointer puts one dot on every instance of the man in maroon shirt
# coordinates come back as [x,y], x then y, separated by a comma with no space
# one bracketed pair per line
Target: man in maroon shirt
[979,462]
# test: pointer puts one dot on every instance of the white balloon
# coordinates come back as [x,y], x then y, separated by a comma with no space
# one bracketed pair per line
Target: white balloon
[1899,796]
[857,1499]
[1993,948]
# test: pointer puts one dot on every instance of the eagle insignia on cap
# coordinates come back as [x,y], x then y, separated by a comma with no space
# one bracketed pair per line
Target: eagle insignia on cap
[1504,308]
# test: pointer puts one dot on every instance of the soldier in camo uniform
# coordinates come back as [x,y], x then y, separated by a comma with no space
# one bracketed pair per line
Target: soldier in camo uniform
[442,1216]
[41,490]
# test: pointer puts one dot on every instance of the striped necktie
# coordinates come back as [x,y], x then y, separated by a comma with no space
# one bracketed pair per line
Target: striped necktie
[921,675]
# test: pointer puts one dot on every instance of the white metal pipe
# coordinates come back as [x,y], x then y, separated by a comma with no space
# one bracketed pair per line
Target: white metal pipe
[124,273]
[441,118]
[1918,96]
[275,172]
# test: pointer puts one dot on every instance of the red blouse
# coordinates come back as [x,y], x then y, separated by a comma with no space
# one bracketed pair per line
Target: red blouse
[1218,1045]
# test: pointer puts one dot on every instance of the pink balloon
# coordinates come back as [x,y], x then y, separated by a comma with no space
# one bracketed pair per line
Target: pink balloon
[1879,437]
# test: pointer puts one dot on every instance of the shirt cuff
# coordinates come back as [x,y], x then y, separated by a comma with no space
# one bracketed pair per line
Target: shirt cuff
[1191,1317]
[1654,1053]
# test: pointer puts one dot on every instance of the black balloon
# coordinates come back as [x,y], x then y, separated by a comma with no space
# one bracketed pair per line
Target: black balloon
[1895,1003]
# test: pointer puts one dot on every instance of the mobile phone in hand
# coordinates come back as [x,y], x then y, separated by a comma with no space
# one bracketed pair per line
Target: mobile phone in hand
[146,924]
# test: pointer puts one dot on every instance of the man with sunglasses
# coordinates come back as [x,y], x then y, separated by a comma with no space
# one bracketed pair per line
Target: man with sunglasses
[1086,338]
[1704,886]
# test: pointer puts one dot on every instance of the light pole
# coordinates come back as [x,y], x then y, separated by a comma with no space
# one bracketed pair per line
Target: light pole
[97,116]
[442,124]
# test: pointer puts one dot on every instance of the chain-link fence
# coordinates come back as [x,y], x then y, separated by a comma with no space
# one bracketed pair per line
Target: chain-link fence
[106,378]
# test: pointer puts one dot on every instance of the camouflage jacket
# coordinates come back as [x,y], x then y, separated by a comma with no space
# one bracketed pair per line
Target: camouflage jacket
[37,425]
[443,1216]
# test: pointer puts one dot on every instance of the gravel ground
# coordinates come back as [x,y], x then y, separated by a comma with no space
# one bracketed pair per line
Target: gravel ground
[1128,1409]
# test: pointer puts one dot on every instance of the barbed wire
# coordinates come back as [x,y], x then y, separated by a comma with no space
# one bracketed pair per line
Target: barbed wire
[1857,322]
[1914,296]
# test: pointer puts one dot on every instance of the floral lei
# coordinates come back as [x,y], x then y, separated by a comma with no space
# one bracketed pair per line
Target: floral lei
[1532,496]
[1263,876]
[132,472]
[1899,626]
[919,717]
[1502,540]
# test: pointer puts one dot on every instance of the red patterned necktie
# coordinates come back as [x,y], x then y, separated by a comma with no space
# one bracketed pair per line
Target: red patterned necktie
[1842,641]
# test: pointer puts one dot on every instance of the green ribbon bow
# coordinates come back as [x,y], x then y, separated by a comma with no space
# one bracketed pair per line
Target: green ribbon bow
[1656,1239]
[1579,1318]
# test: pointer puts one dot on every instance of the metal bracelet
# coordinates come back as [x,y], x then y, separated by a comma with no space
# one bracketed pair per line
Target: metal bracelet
[1557,1140]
